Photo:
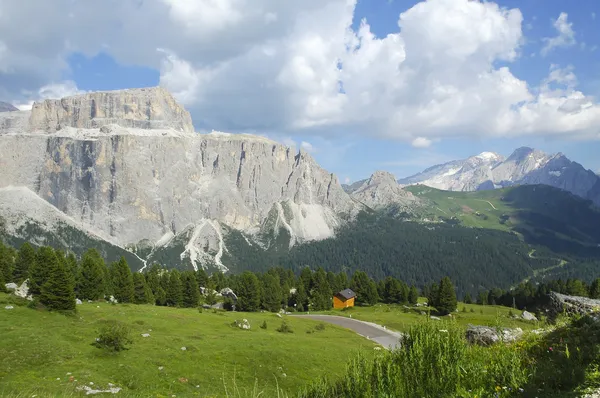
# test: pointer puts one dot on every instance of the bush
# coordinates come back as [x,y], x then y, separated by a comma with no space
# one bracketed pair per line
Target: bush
[114,336]
[263,325]
[464,309]
[284,328]
[320,327]
[200,309]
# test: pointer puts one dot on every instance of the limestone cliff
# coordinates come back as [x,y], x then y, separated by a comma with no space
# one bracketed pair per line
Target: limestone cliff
[382,190]
[102,160]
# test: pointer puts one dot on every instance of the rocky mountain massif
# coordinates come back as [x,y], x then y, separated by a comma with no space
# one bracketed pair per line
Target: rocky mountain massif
[525,166]
[127,167]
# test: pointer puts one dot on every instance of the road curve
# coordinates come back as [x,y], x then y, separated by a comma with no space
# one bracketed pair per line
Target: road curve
[371,331]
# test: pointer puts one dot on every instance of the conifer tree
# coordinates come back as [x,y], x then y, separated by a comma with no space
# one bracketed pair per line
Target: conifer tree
[153,283]
[90,282]
[595,289]
[38,272]
[432,295]
[300,299]
[468,299]
[2,283]
[122,281]
[141,292]
[365,288]
[413,295]
[191,294]
[57,292]
[446,300]
[202,278]
[321,295]
[6,262]
[248,292]
[23,262]
[174,293]
[73,267]
[271,297]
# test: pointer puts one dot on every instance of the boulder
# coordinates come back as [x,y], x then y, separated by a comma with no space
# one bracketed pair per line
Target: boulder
[11,286]
[227,292]
[23,290]
[528,316]
[435,318]
[243,324]
[486,336]
[78,302]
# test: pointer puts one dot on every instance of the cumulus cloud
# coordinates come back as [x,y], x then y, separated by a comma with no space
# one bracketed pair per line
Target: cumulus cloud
[298,68]
[565,37]
[50,91]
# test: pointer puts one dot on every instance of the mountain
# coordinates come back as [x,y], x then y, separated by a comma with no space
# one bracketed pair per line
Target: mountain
[381,191]
[128,165]
[6,107]
[523,166]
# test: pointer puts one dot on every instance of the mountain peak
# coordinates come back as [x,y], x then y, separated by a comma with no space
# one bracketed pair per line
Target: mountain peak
[381,176]
[143,108]
[489,156]
[521,153]
[6,107]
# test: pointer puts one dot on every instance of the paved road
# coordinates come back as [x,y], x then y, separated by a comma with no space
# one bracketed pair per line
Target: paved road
[372,331]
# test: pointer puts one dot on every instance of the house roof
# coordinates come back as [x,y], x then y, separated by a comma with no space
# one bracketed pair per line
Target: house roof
[347,294]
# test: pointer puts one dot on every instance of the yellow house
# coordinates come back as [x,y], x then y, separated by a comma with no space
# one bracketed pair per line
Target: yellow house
[344,299]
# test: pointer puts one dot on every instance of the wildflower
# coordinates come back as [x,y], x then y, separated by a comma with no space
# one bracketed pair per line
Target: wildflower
[550,349]
[498,388]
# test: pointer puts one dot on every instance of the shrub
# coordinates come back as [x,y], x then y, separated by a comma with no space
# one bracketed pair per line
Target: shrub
[320,327]
[284,328]
[263,325]
[200,309]
[113,336]
[464,309]
[472,310]
[430,363]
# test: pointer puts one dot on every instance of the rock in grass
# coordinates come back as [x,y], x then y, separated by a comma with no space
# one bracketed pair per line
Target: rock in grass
[11,286]
[486,336]
[528,316]
[9,307]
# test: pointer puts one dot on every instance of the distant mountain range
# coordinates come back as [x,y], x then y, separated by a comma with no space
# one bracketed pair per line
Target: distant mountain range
[526,166]
[6,107]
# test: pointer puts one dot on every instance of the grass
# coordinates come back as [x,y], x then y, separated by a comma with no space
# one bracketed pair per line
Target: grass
[399,318]
[40,350]
[434,361]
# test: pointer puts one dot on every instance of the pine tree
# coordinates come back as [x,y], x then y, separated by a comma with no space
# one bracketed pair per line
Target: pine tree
[321,295]
[595,289]
[432,295]
[467,299]
[446,300]
[174,292]
[202,278]
[24,262]
[271,297]
[73,267]
[300,299]
[482,298]
[576,287]
[413,295]
[248,292]
[57,292]
[39,270]
[141,292]
[6,262]
[191,294]
[122,281]
[90,282]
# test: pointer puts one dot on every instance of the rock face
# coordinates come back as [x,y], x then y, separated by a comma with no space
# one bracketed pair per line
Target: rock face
[158,182]
[524,166]
[560,303]
[146,108]
[382,190]
[6,107]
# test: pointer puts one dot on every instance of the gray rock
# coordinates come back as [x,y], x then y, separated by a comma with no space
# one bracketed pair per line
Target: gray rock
[243,324]
[528,316]
[382,190]
[78,302]
[145,334]
[23,290]
[485,335]
[188,187]
[11,286]
[9,307]
[227,292]
[560,303]
[145,108]
[435,318]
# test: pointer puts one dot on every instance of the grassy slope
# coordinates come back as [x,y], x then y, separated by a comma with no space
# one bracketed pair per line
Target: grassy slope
[397,317]
[36,348]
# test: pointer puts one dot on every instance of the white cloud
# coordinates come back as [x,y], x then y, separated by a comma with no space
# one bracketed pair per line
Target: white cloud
[298,69]
[51,91]
[347,180]
[308,147]
[421,142]
[566,35]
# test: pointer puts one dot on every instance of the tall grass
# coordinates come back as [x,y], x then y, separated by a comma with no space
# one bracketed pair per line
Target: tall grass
[434,361]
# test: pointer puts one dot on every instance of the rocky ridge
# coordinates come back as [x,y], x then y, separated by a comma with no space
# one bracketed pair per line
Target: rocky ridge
[524,166]
[380,191]
[128,166]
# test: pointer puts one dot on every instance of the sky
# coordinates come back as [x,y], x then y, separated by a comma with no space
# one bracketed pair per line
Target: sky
[363,85]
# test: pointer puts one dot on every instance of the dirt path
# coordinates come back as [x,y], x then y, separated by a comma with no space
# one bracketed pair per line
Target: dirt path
[379,334]
[490,203]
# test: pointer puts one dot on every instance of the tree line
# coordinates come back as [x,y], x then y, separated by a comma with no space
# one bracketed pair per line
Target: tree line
[56,279]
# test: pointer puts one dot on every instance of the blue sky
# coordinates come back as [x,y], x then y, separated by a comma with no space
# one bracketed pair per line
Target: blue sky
[236,76]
